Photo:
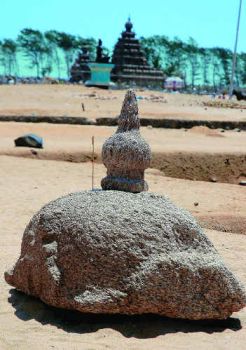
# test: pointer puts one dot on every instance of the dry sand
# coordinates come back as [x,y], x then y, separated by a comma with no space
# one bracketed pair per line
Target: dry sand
[197,154]
[58,100]
[26,323]
[77,138]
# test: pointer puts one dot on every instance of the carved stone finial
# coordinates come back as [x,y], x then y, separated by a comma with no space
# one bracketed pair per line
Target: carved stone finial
[126,154]
[128,25]
[128,119]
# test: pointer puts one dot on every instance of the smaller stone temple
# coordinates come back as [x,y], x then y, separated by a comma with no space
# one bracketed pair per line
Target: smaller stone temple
[80,70]
[131,66]
[92,73]
[100,70]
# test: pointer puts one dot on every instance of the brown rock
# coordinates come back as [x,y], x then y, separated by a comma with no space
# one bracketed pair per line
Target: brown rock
[118,252]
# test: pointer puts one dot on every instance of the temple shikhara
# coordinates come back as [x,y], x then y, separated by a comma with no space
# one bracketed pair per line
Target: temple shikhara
[80,70]
[130,64]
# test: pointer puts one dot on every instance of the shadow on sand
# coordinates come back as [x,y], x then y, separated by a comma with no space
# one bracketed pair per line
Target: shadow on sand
[144,326]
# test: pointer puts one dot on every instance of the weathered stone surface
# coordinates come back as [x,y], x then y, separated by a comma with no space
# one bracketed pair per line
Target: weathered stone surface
[126,154]
[119,252]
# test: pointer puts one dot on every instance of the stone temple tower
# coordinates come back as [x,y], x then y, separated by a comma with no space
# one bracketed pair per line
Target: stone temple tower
[131,66]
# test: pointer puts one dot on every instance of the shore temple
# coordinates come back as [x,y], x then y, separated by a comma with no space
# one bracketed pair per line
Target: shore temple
[130,64]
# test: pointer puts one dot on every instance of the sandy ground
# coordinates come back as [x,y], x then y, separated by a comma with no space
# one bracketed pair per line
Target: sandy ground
[78,138]
[26,323]
[58,100]
[198,153]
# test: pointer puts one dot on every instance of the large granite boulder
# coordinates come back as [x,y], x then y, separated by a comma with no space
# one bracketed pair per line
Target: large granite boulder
[119,252]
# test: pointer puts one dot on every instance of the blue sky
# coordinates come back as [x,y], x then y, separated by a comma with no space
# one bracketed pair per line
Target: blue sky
[209,22]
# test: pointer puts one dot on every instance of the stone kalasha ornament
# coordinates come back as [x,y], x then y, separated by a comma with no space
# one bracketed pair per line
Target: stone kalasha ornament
[126,154]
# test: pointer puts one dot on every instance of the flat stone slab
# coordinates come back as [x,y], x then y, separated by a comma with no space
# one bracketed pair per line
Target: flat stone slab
[116,252]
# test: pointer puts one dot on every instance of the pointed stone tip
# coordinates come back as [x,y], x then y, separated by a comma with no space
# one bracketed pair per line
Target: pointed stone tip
[130,94]
[8,275]
[130,104]
[128,118]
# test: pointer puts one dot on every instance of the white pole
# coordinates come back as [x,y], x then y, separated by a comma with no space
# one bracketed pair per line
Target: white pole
[235,51]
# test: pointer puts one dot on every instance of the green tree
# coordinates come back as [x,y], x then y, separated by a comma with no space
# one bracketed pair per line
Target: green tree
[242,72]
[205,64]
[166,54]
[68,44]
[176,59]
[52,40]
[154,49]
[2,60]
[90,44]
[9,50]
[192,54]
[225,57]
[34,46]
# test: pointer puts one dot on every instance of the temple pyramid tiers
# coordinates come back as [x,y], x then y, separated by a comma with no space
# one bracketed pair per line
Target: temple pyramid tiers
[80,70]
[130,62]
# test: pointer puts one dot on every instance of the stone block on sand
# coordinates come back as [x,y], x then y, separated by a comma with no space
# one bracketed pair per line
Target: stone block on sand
[120,252]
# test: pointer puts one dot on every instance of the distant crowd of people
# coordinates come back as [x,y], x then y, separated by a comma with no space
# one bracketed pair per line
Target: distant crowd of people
[8,79]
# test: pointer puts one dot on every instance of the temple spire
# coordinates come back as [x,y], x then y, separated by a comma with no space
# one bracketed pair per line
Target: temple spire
[128,25]
[128,118]
[131,66]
